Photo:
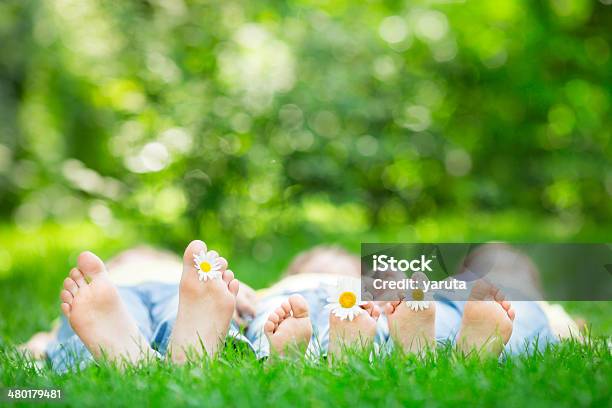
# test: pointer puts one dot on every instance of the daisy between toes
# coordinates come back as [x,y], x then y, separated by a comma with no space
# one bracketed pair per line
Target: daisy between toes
[208,265]
[346,302]
[419,299]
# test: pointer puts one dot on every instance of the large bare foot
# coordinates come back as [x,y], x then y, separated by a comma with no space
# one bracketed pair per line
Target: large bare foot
[205,305]
[487,320]
[98,316]
[354,334]
[288,328]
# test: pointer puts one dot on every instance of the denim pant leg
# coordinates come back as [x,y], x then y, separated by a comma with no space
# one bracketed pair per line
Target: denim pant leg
[448,320]
[67,352]
[531,329]
[164,306]
[164,300]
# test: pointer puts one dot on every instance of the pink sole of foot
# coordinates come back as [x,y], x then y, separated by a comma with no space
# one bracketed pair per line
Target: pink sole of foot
[414,331]
[288,328]
[97,315]
[487,321]
[357,334]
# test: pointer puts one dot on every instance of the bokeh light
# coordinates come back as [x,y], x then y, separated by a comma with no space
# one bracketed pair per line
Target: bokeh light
[256,122]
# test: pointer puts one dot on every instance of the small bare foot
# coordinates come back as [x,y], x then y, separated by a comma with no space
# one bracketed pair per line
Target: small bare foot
[487,320]
[288,328]
[205,305]
[37,345]
[352,334]
[98,316]
[413,330]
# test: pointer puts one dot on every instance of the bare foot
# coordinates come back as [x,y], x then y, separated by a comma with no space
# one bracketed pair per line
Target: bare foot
[352,334]
[288,328]
[205,307]
[413,330]
[37,345]
[487,320]
[97,314]
[412,321]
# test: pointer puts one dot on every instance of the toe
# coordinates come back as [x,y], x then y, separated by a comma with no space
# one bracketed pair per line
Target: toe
[194,248]
[273,317]
[511,314]
[370,308]
[65,309]
[286,307]
[389,308]
[269,327]
[280,312]
[78,277]
[222,263]
[376,312]
[66,296]
[233,287]
[299,306]
[71,286]
[506,305]
[90,264]
[228,276]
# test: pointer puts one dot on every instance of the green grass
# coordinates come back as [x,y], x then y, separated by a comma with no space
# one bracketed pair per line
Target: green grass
[568,374]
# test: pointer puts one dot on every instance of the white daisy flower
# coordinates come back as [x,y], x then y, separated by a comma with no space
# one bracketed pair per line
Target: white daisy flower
[208,265]
[418,299]
[347,299]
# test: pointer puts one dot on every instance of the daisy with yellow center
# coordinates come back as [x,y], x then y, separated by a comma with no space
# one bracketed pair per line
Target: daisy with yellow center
[417,299]
[346,301]
[208,265]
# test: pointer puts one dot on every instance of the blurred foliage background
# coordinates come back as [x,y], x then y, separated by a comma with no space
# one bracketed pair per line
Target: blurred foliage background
[264,127]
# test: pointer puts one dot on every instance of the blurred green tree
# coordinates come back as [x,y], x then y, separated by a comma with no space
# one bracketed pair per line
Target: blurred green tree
[250,119]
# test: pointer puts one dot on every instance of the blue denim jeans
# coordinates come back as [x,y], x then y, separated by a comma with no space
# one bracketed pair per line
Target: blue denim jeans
[154,307]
